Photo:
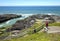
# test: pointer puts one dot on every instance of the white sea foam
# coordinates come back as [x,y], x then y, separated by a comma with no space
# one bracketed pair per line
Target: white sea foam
[1,25]
[26,15]
[7,22]
[49,14]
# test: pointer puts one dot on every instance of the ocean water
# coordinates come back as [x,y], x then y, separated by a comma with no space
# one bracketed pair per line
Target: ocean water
[30,10]
[26,11]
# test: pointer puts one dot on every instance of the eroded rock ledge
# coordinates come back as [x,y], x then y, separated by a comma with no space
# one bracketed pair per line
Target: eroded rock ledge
[22,24]
[6,17]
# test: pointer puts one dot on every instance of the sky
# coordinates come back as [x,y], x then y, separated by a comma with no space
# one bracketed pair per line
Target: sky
[29,2]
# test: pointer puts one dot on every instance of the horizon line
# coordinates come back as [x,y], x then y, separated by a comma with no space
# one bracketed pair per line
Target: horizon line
[41,5]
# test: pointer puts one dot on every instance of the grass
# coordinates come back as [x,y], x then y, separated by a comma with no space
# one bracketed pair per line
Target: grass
[36,25]
[39,36]
[54,24]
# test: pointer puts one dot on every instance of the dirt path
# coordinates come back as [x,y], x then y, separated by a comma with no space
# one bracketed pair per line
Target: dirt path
[53,29]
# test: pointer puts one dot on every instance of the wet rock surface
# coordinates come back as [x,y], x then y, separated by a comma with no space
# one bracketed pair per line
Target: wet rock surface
[6,17]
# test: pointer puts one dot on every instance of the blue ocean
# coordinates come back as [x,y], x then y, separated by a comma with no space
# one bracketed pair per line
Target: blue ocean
[26,11]
[30,10]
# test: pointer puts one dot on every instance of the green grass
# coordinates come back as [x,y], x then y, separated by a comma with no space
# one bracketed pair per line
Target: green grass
[36,25]
[54,24]
[40,36]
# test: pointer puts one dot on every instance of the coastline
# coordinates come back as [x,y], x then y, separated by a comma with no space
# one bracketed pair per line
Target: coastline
[12,21]
[21,18]
[27,22]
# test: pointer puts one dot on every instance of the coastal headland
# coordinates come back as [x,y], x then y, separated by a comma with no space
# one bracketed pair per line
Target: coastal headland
[29,21]
[27,25]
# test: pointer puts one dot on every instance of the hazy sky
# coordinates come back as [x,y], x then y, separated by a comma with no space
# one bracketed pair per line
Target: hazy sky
[29,2]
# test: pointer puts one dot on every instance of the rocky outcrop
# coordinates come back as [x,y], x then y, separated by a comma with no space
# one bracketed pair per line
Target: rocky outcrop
[52,18]
[29,21]
[56,18]
[7,17]
[22,24]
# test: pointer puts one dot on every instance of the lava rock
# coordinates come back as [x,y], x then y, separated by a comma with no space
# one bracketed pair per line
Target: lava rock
[6,17]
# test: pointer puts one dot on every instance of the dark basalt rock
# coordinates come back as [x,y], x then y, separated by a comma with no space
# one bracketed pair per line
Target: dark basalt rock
[29,21]
[6,17]
[22,24]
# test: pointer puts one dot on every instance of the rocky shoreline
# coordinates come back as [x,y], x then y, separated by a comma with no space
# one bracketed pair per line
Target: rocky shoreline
[6,17]
[25,23]
[29,21]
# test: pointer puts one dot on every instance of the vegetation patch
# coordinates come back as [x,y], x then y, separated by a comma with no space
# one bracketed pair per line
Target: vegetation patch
[39,37]
[54,24]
